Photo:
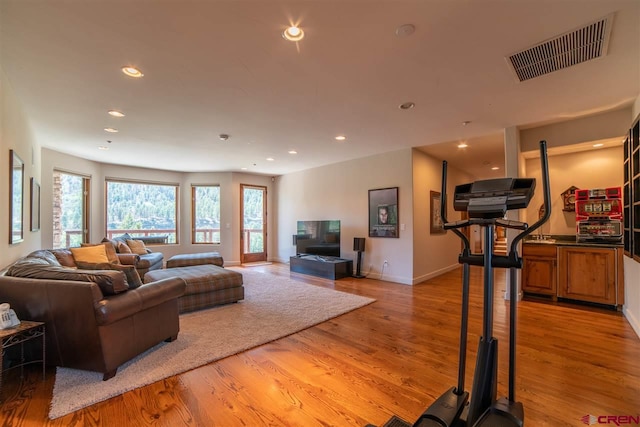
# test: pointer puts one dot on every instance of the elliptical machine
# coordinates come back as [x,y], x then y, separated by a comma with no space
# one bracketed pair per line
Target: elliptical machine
[486,202]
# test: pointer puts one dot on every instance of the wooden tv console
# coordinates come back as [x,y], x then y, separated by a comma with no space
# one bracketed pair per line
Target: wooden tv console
[323,266]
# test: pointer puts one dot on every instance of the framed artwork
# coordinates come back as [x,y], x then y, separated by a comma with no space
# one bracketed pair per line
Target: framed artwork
[435,219]
[383,212]
[35,205]
[16,198]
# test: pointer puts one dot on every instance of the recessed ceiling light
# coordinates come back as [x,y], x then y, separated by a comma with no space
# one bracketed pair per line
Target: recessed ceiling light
[407,105]
[223,137]
[598,145]
[116,113]
[132,71]
[462,145]
[495,168]
[293,33]
[244,169]
[270,159]
[102,147]
[111,130]
[466,122]
[293,152]
[341,138]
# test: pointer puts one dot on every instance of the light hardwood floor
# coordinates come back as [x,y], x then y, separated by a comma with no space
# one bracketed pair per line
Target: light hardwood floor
[394,356]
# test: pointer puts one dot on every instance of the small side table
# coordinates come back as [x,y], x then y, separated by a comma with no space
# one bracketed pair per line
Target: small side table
[25,331]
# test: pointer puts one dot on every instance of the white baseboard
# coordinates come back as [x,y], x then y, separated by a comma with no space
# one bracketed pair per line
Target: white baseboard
[433,274]
[632,320]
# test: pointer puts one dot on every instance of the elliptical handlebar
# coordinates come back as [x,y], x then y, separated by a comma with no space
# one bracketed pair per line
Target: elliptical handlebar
[544,164]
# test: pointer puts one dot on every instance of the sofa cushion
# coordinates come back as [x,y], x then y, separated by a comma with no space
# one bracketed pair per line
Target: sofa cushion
[123,248]
[93,254]
[149,260]
[45,256]
[110,282]
[137,247]
[64,257]
[121,239]
[112,256]
[130,272]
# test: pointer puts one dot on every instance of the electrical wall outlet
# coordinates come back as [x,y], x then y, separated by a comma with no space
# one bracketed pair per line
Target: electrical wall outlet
[385,262]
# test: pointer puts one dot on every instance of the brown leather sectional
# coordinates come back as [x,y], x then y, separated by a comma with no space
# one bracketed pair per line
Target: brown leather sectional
[93,321]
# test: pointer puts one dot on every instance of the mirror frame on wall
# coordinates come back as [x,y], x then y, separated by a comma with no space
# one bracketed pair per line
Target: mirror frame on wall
[16,198]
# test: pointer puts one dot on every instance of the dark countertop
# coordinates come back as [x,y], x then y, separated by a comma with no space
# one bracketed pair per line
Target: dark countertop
[568,240]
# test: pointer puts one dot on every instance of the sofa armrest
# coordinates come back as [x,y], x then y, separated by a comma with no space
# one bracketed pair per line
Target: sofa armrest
[120,306]
[128,259]
[39,299]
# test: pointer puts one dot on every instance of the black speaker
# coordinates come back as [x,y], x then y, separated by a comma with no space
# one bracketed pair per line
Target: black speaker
[358,245]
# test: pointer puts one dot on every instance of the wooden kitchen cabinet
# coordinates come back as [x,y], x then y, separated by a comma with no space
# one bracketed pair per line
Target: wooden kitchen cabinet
[579,273]
[590,274]
[539,274]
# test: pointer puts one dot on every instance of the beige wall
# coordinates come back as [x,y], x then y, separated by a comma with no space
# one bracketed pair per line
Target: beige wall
[586,169]
[15,134]
[593,128]
[340,191]
[433,254]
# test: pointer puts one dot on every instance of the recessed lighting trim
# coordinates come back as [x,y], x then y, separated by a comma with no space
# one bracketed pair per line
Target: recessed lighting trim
[598,145]
[244,169]
[405,30]
[132,71]
[293,33]
[269,159]
[495,168]
[102,147]
[341,138]
[116,113]
[463,145]
[293,152]
[407,105]
[111,130]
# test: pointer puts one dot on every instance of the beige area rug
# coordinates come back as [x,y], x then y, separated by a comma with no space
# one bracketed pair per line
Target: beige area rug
[279,305]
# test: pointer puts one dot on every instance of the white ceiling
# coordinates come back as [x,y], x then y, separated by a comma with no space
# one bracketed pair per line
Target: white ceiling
[215,67]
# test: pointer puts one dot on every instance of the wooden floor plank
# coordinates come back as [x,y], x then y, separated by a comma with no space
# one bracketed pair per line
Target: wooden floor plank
[395,356]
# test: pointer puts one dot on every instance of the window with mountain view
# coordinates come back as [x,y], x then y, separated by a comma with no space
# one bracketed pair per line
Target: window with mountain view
[142,209]
[205,214]
[70,209]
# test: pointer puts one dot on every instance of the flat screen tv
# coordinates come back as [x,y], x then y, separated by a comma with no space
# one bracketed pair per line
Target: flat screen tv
[318,238]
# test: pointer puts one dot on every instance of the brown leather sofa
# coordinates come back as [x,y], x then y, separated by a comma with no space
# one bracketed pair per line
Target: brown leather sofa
[93,320]
[143,263]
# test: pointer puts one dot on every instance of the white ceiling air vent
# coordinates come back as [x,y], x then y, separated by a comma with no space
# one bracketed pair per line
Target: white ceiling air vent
[582,44]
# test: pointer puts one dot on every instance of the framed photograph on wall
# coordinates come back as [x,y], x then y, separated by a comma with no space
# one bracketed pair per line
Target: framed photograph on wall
[16,198]
[383,212]
[35,205]
[435,219]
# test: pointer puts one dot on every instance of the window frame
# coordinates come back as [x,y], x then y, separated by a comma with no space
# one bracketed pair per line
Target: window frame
[176,187]
[86,204]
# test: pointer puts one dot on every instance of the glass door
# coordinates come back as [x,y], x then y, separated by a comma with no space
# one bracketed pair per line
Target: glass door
[253,234]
